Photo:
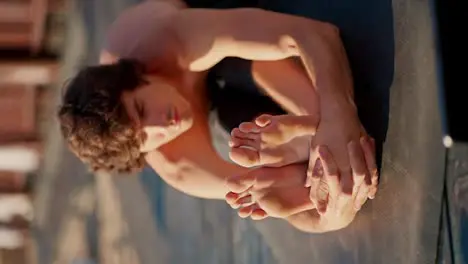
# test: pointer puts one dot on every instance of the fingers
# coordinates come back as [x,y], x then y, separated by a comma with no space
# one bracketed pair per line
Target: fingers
[368,146]
[323,194]
[314,174]
[330,171]
[361,196]
[358,164]
[337,198]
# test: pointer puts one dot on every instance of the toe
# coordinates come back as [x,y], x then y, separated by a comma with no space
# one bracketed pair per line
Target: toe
[258,214]
[244,201]
[248,210]
[243,156]
[240,183]
[248,127]
[263,120]
[231,198]
[237,133]
[241,142]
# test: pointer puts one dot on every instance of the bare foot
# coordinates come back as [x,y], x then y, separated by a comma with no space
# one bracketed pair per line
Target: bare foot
[272,141]
[273,192]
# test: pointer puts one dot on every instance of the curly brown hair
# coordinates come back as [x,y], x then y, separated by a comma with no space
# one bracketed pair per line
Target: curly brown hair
[94,121]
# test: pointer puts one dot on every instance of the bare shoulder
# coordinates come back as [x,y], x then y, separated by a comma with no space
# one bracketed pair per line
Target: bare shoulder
[208,36]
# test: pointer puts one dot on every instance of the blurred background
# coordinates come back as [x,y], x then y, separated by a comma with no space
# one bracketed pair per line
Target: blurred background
[52,210]
[31,43]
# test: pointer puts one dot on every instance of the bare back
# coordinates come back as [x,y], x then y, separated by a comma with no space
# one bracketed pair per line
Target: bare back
[140,33]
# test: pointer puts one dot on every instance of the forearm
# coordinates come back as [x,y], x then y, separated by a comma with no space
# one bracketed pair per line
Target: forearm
[287,83]
[324,58]
[191,165]
[197,171]
[206,181]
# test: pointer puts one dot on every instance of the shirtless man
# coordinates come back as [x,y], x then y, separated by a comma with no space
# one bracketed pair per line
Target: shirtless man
[151,107]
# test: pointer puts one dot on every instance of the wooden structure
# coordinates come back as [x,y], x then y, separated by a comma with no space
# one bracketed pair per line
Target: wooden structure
[22,24]
[23,84]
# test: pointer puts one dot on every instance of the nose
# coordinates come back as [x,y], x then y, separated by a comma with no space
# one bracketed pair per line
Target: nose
[157,120]
[155,131]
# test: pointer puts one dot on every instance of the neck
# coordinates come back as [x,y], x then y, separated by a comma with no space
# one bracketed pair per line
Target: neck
[193,88]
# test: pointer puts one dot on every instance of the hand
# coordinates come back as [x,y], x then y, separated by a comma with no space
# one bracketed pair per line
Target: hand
[338,126]
[336,207]
[363,171]
[279,192]
[339,121]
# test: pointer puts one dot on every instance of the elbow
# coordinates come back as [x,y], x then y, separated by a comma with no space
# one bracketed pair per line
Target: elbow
[313,28]
[330,29]
[325,28]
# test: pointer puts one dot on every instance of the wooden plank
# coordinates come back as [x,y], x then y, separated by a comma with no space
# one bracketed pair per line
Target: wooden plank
[13,256]
[15,39]
[15,12]
[39,12]
[20,159]
[28,72]
[11,239]
[12,181]
[18,102]
[34,12]
[14,207]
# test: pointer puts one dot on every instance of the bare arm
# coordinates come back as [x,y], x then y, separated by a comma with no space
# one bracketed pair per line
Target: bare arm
[260,35]
[288,84]
[247,33]
[190,164]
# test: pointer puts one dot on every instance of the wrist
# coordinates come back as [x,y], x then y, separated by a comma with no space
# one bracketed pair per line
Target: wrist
[333,104]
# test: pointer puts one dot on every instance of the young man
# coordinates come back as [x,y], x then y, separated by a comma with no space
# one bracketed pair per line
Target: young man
[147,101]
